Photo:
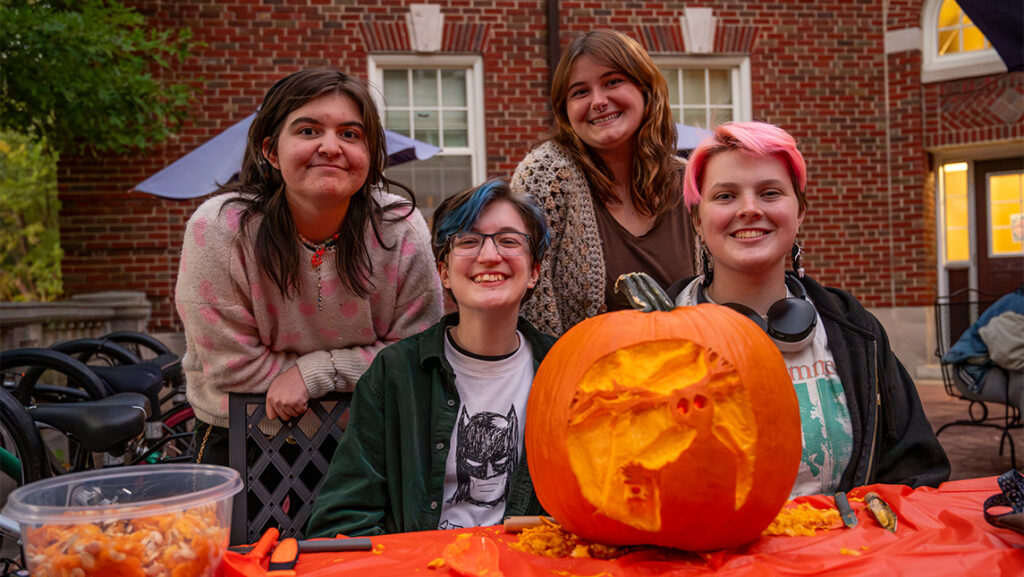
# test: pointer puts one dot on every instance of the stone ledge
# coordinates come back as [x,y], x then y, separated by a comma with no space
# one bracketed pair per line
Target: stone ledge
[35,324]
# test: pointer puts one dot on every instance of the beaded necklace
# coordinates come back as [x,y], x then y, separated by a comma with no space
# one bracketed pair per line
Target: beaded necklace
[319,249]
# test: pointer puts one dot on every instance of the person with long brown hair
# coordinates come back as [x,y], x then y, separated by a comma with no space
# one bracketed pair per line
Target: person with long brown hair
[298,273]
[609,181]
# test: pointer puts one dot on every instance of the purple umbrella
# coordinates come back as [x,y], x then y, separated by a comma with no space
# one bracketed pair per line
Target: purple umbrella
[688,137]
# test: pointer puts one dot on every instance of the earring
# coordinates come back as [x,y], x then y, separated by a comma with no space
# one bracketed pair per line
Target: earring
[264,166]
[705,264]
[797,254]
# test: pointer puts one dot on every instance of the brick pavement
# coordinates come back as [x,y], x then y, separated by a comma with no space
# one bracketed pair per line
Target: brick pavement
[973,451]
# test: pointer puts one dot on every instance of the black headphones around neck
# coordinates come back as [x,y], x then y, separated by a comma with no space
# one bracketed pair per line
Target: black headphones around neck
[790,322]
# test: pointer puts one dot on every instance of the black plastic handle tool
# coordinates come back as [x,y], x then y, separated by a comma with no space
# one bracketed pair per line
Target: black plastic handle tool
[335,545]
[845,511]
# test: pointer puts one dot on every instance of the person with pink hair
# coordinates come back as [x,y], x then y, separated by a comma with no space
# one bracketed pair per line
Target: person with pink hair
[861,418]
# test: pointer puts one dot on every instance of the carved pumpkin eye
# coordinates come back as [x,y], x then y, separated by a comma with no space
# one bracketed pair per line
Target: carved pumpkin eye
[679,429]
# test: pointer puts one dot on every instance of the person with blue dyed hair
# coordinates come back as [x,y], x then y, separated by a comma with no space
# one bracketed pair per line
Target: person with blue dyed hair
[436,427]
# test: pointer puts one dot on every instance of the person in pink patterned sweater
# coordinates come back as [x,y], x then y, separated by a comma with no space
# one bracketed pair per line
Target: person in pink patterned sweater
[304,268]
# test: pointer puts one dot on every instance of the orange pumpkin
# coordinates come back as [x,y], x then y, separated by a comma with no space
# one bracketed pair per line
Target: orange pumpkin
[678,428]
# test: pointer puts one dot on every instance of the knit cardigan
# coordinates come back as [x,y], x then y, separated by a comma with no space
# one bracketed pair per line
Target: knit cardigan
[241,333]
[571,287]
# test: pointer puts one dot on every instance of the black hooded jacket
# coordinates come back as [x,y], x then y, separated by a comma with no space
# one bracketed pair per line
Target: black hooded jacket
[893,441]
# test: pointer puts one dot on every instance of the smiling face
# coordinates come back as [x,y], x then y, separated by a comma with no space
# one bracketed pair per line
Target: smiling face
[748,215]
[490,281]
[605,107]
[322,154]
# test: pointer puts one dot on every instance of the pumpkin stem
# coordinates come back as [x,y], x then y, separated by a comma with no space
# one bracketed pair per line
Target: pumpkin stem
[643,292]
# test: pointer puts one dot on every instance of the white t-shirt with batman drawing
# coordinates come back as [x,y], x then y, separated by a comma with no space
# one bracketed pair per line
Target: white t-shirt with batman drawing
[487,441]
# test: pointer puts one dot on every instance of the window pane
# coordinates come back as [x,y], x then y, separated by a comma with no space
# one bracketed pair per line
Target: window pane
[424,82]
[957,245]
[1002,211]
[425,126]
[949,14]
[1006,205]
[954,189]
[396,87]
[433,179]
[397,121]
[695,117]
[956,211]
[949,42]
[456,128]
[702,97]
[1003,243]
[672,78]
[453,87]
[720,83]
[693,87]
[974,39]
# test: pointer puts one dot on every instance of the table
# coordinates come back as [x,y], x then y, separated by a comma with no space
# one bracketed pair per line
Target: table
[941,532]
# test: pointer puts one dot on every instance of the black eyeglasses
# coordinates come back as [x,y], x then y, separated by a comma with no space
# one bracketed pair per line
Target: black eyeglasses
[506,243]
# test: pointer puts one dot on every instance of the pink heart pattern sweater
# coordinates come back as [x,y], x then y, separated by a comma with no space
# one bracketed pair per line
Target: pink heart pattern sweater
[241,332]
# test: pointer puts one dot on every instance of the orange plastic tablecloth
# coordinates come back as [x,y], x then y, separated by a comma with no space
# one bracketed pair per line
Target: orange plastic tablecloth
[941,532]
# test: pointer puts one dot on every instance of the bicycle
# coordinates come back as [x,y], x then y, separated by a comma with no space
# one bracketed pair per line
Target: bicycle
[47,376]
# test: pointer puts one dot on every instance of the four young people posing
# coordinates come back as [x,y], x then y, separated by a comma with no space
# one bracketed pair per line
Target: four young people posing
[296,281]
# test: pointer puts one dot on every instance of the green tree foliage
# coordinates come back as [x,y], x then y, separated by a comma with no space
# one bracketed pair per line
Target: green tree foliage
[80,73]
[30,250]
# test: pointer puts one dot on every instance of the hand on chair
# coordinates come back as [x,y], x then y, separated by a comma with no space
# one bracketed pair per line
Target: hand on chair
[287,396]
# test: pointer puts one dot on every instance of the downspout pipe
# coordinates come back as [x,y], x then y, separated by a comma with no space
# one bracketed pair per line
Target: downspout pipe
[554,32]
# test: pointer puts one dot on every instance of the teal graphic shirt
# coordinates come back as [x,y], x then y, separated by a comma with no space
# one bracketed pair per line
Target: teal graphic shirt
[824,418]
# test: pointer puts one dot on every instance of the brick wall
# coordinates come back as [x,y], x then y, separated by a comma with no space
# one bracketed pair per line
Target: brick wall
[818,69]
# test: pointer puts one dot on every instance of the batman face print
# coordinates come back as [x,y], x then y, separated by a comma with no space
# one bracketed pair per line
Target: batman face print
[485,457]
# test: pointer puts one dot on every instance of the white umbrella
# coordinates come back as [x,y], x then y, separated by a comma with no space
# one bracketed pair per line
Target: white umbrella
[216,161]
[688,137]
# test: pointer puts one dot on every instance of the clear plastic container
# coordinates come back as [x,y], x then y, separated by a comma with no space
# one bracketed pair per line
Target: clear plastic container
[147,520]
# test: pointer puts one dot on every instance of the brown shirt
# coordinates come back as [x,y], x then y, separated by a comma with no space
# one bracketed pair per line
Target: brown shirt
[665,252]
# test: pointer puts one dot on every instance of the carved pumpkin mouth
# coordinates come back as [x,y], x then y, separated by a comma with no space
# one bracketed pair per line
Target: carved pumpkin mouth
[640,409]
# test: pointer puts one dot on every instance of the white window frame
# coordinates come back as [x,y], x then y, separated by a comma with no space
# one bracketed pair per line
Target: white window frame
[473,65]
[935,68]
[739,66]
[940,229]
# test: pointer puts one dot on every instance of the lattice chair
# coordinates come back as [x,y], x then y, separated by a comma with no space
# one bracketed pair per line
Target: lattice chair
[954,315]
[284,472]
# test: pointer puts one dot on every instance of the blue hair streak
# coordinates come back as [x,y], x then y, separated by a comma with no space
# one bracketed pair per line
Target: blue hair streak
[460,212]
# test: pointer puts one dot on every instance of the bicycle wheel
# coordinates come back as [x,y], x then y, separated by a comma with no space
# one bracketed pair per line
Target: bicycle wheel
[25,459]
[70,373]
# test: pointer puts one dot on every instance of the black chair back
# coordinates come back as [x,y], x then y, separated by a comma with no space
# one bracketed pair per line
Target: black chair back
[282,472]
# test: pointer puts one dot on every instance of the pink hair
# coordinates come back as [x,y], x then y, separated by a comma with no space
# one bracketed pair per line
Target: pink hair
[756,138]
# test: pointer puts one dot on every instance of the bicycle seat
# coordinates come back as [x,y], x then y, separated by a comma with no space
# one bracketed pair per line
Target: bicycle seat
[146,378]
[102,426]
[170,364]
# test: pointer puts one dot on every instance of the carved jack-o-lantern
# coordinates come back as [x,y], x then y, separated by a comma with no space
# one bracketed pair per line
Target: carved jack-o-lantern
[676,428]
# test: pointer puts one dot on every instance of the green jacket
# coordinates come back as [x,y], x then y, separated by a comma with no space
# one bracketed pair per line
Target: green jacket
[387,475]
